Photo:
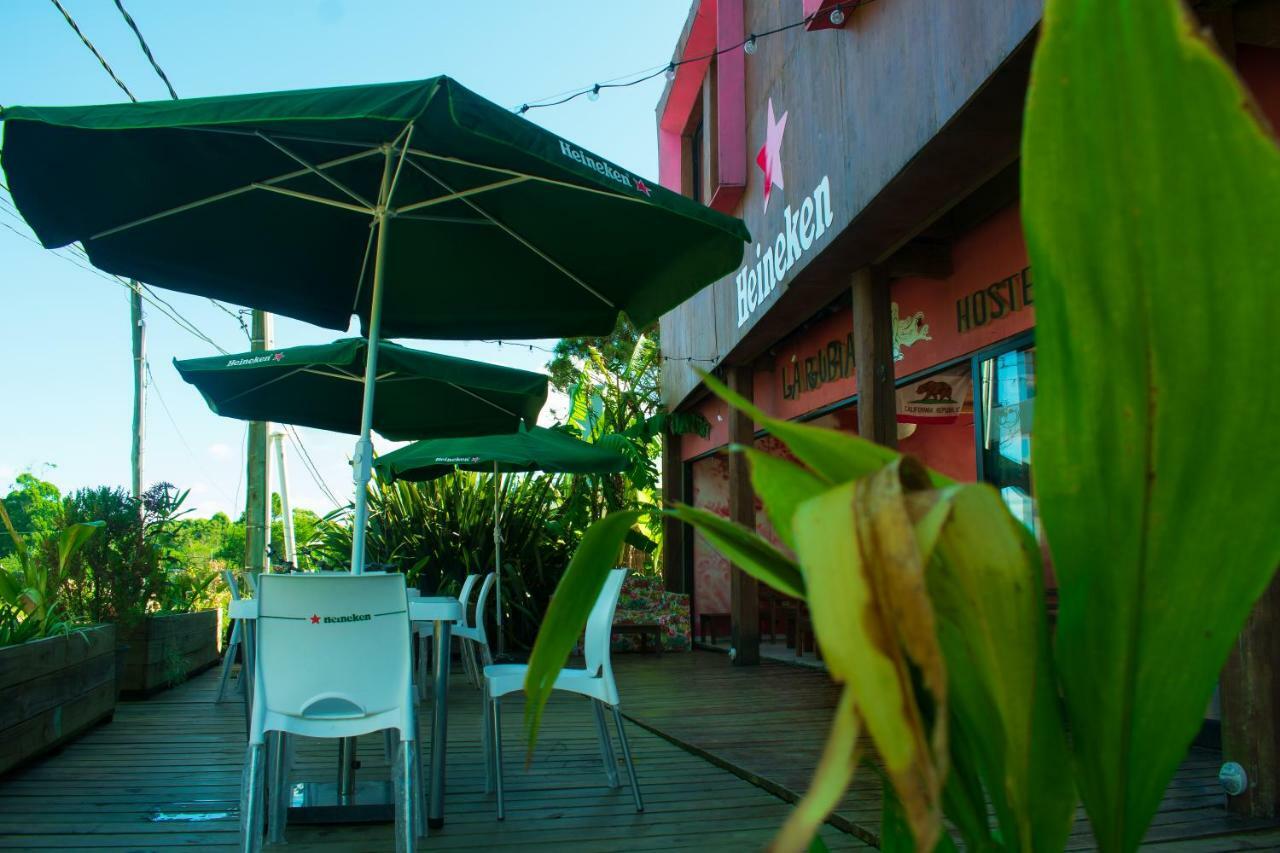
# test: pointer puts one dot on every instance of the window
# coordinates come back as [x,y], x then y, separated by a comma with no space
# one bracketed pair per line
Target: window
[697,171]
[1007,392]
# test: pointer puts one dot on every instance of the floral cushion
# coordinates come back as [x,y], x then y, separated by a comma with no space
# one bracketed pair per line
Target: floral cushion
[643,601]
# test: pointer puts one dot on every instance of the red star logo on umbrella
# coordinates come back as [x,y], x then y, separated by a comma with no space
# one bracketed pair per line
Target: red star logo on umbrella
[643,187]
[279,356]
[768,159]
[315,620]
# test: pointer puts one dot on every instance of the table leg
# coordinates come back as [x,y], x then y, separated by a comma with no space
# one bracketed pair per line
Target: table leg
[440,724]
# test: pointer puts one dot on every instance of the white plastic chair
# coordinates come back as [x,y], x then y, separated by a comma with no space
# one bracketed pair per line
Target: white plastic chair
[233,646]
[595,682]
[474,641]
[358,626]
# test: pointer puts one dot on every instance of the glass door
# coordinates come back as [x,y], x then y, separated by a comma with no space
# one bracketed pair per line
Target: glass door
[1007,391]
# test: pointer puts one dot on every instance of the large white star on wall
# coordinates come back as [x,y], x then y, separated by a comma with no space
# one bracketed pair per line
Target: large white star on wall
[768,158]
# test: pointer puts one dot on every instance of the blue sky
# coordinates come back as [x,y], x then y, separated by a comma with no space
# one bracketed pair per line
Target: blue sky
[64,332]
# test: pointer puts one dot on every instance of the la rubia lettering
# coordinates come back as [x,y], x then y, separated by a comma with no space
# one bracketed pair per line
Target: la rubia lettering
[994,301]
[828,364]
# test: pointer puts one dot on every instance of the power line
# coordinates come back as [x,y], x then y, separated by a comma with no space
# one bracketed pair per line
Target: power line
[531,347]
[159,396]
[748,45]
[146,49]
[309,464]
[72,23]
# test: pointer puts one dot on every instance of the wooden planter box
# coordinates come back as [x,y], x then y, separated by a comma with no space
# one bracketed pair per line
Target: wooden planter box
[166,649]
[53,689]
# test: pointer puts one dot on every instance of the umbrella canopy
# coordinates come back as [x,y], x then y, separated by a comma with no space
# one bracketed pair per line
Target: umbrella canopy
[419,394]
[532,449]
[422,207]
[495,227]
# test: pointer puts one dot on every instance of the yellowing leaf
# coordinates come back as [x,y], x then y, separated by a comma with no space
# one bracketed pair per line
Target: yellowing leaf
[831,779]
[850,542]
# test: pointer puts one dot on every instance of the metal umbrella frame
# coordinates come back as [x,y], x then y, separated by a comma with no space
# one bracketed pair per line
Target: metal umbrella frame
[136,184]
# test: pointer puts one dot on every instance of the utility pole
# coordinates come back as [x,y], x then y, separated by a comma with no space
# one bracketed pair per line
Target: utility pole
[257,510]
[286,510]
[139,383]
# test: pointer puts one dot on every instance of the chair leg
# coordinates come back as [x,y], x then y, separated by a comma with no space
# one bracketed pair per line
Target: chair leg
[486,741]
[626,755]
[278,774]
[228,661]
[496,737]
[420,792]
[606,744]
[406,829]
[251,805]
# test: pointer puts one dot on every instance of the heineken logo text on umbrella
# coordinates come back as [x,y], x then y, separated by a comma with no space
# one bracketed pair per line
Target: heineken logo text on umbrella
[257,359]
[603,167]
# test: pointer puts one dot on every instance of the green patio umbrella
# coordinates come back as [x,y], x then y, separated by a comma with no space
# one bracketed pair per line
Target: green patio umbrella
[419,394]
[421,207]
[528,449]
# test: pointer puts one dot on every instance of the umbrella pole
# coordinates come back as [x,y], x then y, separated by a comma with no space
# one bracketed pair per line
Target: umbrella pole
[497,550]
[362,463]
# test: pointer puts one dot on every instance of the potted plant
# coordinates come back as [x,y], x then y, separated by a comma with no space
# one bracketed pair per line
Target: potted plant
[133,576]
[56,680]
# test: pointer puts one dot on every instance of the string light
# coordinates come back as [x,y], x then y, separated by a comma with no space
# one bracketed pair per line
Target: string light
[749,46]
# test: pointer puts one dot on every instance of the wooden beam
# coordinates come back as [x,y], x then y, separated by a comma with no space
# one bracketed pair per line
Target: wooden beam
[673,530]
[873,357]
[744,594]
[920,259]
[1250,692]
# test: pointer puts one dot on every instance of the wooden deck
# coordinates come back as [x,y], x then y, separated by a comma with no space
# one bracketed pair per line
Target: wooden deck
[166,773]
[767,724]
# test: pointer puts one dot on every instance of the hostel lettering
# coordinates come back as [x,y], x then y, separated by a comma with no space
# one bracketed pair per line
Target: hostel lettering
[994,301]
[832,362]
[774,259]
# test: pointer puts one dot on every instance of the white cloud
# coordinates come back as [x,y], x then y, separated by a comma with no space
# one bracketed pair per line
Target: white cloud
[218,450]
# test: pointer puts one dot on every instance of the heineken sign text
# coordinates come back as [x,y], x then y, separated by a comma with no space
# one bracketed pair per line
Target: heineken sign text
[801,229]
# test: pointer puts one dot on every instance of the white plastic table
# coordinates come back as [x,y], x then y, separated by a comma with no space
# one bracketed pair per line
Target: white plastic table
[442,612]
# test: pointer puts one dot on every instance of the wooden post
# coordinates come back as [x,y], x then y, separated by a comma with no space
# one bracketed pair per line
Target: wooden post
[257,509]
[139,384]
[673,530]
[873,357]
[1250,692]
[744,595]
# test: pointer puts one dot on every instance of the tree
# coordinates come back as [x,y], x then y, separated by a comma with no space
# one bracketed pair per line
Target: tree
[35,507]
[615,400]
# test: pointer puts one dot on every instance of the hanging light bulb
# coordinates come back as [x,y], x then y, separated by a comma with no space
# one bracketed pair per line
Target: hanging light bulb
[671,71]
[749,47]
[594,94]
[837,16]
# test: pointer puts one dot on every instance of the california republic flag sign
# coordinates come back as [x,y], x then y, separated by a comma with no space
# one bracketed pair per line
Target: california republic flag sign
[937,399]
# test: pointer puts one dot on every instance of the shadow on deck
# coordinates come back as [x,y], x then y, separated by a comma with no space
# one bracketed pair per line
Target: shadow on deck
[166,773]
[767,724]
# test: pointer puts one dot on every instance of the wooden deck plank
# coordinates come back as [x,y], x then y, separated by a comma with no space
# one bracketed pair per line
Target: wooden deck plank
[180,755]
[767,725]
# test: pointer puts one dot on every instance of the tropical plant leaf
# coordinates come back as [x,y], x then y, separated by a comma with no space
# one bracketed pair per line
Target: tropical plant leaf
[836,457]
[782,486]
[831,779]
[875,630]
[19,544]
[746,549]
[987,589]
[1156,488]
[567,614]
[73,538]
